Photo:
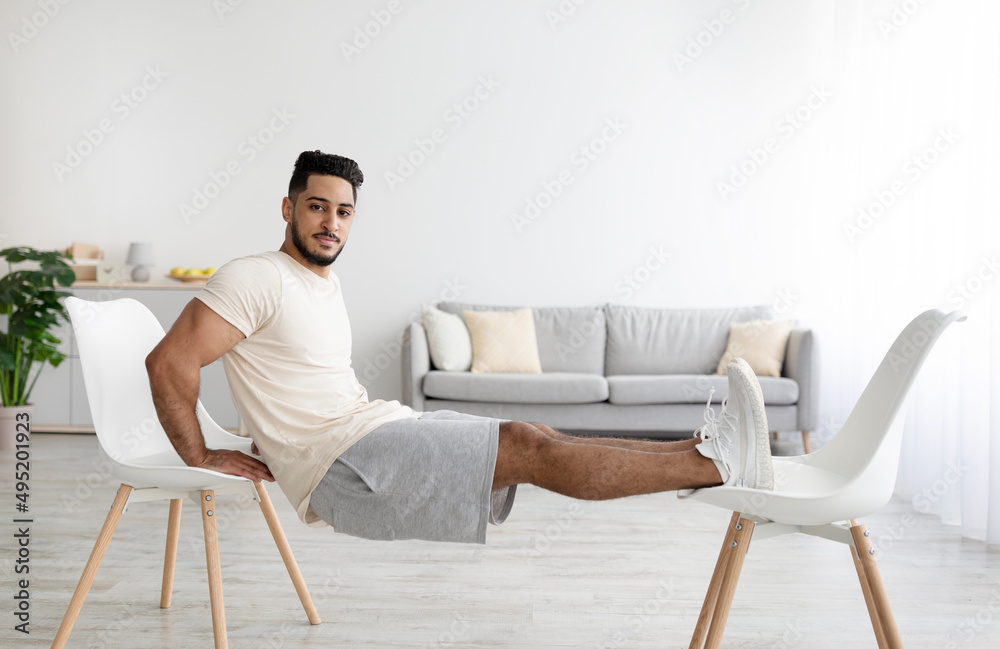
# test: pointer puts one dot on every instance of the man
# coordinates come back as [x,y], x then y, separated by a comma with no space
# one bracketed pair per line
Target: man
[378,469]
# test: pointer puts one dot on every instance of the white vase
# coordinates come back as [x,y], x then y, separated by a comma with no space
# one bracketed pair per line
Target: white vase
[14,420]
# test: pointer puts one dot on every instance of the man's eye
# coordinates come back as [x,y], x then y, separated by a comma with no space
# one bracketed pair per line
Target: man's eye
[316,206]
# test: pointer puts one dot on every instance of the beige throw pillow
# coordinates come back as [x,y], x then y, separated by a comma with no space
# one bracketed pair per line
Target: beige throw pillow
[503,341]
[761,343]
[448,339]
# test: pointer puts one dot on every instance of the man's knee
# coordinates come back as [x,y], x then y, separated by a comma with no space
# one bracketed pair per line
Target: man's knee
[546,429]
[523,438]
[519,451]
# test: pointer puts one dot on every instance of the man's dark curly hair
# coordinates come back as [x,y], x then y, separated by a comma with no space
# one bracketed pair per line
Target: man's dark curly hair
[327,164]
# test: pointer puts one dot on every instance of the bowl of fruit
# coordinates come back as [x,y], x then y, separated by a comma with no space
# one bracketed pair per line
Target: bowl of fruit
[191,274]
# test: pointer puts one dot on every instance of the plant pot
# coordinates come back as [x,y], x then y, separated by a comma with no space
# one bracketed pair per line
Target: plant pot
[14,420]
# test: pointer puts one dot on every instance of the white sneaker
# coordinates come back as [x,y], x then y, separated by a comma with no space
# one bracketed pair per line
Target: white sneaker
[719,441]
[755,469]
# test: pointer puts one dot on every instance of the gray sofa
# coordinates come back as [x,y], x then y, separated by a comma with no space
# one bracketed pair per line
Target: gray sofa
[618,370]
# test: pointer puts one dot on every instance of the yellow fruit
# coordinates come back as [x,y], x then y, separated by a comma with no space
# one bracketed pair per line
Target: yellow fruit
[178,270]
[192,271]
[210,271]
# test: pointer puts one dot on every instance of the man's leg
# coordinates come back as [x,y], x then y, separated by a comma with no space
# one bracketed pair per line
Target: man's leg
[529,454]
[735,450]
[649,446]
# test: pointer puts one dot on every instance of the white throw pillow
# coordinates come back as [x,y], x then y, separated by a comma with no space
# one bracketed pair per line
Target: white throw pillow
[448,339]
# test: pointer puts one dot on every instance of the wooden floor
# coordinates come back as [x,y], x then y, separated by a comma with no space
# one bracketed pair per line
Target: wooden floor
[558,573]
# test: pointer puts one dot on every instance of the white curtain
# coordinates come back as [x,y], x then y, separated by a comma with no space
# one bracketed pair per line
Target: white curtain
[922,80]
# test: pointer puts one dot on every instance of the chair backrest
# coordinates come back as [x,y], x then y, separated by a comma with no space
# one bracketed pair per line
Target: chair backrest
[113,338]
[867,447]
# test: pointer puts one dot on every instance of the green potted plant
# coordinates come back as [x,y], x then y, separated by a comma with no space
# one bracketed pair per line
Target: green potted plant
[30,300]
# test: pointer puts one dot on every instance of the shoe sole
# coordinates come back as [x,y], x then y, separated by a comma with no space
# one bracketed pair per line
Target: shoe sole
[752,410]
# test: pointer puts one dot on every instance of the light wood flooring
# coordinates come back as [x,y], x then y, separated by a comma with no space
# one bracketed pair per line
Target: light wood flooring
[558,573]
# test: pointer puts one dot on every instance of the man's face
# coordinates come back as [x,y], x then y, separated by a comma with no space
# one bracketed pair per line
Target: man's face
[319,221]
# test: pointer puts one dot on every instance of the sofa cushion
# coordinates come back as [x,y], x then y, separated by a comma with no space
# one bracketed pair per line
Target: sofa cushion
[447,338]
[761,343]
[692,388]
[570,339]
[551,387]
[669,341]
[503,341]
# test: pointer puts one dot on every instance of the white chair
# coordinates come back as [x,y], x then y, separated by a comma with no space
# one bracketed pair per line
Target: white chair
[114,338]
[816,494]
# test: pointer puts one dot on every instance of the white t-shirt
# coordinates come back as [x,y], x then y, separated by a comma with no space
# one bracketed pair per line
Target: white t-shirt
[291,377]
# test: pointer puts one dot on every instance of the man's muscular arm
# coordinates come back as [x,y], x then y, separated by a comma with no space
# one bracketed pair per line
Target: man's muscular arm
[197,338]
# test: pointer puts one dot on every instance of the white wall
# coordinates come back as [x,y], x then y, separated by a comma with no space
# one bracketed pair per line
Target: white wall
[655,185]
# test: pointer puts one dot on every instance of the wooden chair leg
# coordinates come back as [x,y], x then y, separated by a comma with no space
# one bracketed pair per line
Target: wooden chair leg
[93,563]
[805,442]
[869,601]
[708,607]
[286,553]
[214,568]
[883,618]
[738,552]
[170,554]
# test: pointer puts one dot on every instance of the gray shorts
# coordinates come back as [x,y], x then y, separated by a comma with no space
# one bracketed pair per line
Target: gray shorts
[428,478]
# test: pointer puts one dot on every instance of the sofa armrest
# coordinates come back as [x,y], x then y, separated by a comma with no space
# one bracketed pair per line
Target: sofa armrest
[802,364]
[416,363]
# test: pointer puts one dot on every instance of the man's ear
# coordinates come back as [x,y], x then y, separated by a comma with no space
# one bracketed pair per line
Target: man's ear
[286,209]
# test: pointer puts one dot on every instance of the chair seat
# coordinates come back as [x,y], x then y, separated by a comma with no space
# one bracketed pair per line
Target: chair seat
[167,471]
[164,460]
[803,495]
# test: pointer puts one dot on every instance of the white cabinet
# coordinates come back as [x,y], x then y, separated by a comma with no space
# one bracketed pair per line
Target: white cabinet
[60,396]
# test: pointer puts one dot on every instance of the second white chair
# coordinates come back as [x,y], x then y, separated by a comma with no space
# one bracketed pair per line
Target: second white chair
[817,494]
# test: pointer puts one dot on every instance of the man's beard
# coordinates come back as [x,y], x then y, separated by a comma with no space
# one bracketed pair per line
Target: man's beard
[313,257]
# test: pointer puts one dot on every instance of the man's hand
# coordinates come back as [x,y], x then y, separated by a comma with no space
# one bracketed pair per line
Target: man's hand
[198,337]
[236,463]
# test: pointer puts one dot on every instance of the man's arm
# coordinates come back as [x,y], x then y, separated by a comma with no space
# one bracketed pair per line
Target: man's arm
[197,338]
